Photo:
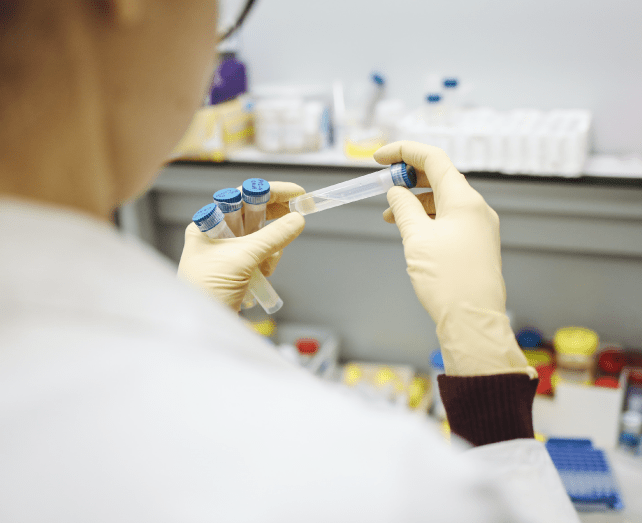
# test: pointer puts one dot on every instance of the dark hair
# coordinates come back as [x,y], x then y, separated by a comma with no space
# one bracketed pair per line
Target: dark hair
[239,22]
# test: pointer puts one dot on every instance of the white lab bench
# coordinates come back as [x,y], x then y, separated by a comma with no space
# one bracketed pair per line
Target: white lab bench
[571,248]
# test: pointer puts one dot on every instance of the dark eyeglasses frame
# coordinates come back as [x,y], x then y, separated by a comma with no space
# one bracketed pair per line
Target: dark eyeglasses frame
[239,22]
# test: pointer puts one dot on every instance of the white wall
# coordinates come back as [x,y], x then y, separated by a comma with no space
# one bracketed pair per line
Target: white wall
[544,54]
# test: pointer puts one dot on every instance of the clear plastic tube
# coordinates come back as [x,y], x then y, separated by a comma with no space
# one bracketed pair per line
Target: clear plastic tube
[254,217]
[234,221]
[359,188]
[259,286]
[231,203]
[256,194]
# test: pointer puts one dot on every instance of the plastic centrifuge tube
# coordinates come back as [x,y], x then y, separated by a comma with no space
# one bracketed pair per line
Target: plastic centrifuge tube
[356,189]
[256,194]
[211,221]
[231,202]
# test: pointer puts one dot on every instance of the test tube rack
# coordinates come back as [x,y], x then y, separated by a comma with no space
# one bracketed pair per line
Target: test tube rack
[585,473]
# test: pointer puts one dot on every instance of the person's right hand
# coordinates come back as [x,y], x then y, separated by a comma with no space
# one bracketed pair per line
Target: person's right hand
[454,262]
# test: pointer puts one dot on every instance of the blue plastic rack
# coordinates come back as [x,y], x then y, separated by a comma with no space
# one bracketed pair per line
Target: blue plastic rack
[585,473]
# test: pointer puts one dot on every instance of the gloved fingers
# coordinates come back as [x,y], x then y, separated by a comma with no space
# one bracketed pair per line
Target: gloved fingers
[427,200]
[268,266]
[406,152]
[195,236]
[408,212]
[274,236]
[276,210]
[452,191]
[282,192]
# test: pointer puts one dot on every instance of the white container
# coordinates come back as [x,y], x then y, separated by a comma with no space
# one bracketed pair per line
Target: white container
[579,411]
[523,141]
[291,119]
[388,113]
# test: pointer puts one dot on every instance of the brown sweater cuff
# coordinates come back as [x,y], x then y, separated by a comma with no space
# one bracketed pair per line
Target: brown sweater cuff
[489,409]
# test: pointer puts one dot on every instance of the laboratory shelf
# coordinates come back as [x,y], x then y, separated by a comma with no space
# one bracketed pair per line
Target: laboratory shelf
[609,170]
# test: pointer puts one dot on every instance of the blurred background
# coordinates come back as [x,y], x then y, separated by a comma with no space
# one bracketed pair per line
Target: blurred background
[545,54]
[537,103]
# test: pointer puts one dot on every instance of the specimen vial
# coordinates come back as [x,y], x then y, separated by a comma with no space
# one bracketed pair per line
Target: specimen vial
[359,188]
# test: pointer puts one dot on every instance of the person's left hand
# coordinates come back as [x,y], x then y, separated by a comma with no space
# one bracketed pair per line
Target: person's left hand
[222,267]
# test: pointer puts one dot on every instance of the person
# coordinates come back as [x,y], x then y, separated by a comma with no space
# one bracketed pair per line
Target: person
[127,394]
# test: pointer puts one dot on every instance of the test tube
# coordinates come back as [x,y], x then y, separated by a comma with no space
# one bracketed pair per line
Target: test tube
[230,202]
[211,221]
[356,189]
[256,194]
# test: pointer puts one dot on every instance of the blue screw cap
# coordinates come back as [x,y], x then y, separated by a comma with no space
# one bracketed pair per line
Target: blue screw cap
[436,360]
[378,79]
[433,98]
[256,191]
[450,83]
[208,217]
[229,200]
[529,338]
[403,175]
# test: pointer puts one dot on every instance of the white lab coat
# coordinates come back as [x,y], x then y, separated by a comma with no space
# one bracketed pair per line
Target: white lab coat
[127,396]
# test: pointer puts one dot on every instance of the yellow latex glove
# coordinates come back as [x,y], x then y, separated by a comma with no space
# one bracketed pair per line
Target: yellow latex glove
[223,267]
[454,263]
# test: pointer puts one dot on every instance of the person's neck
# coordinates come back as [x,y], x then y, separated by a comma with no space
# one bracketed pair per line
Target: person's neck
[67,171]
[53,141]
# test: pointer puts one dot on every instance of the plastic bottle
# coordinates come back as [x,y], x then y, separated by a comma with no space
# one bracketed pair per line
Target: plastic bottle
[210,220]
[378,85]
[451,99]
[575,348]
[230,202]
[307,349]
[434,113]
[230,78]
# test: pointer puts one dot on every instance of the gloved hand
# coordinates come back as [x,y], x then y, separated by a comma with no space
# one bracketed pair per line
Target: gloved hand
[222,267]
[454,263]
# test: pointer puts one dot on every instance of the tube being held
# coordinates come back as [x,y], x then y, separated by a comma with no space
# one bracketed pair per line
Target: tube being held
[356,189]
[210,220]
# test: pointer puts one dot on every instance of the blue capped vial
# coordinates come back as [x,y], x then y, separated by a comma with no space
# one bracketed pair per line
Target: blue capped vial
[356,189]
[256,191]
[229,200]
[403,175]
[208,217]
[256,194]
[211,221]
